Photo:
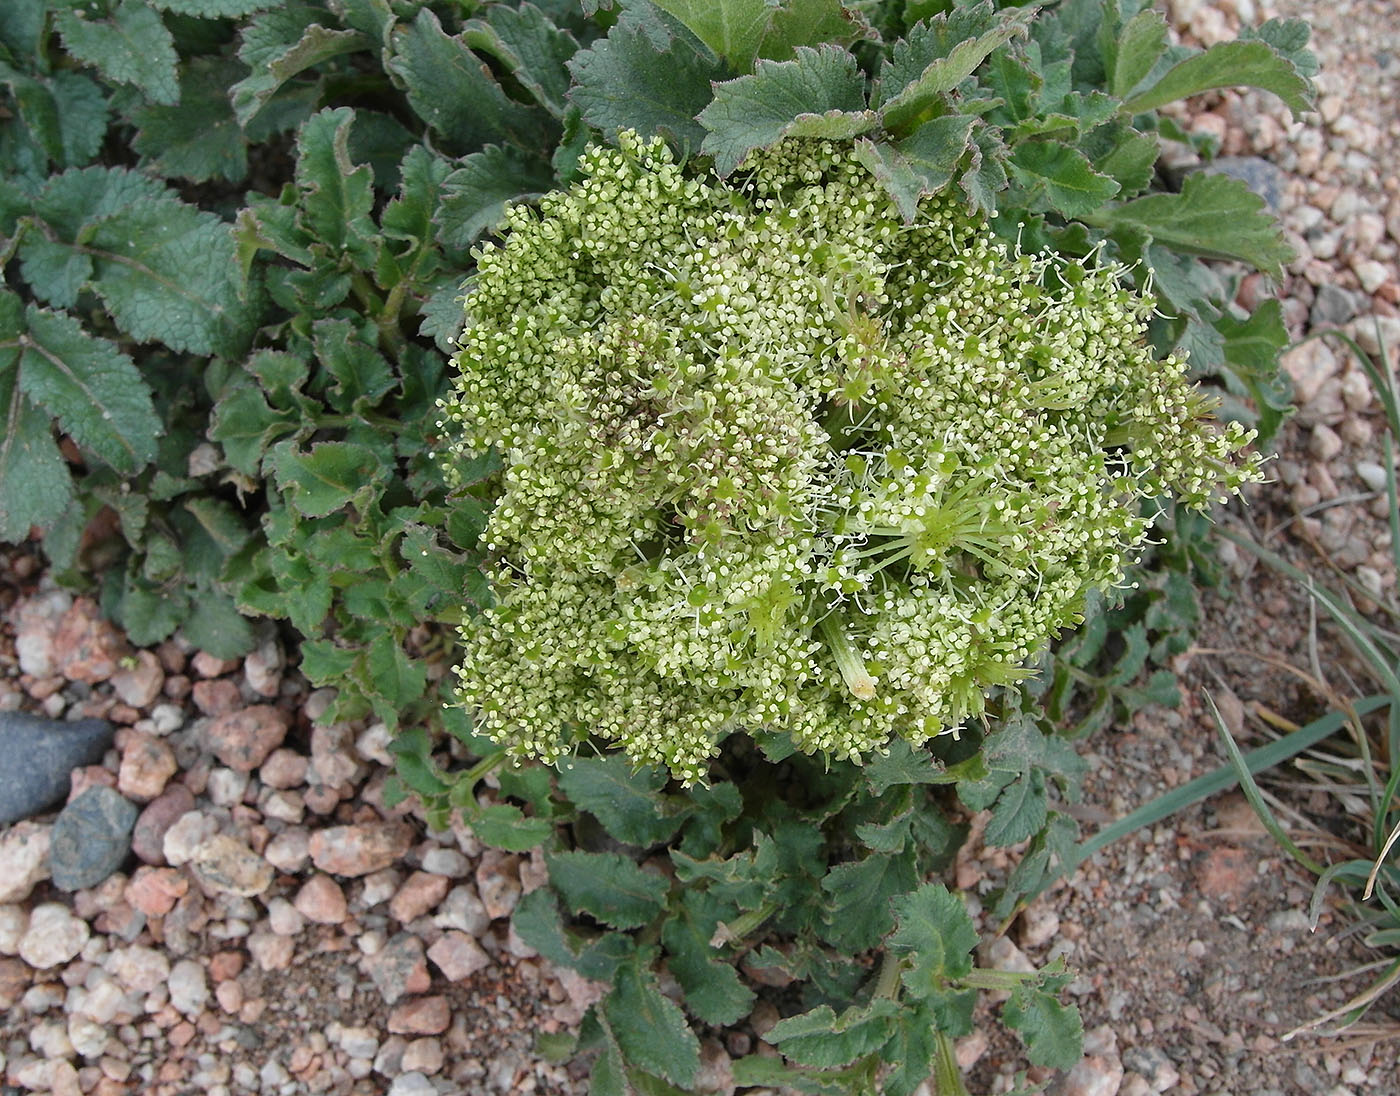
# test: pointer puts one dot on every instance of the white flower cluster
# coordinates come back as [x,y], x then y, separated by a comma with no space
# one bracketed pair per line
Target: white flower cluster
[776,458]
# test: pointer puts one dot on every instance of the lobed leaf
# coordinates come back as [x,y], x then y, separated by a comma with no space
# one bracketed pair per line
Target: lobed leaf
[608,887]
[1061,176]
[934,928]
[819,94]
[733,29]
[531,47]
[651,1031]
[280,44]
[824,1039]
[474,197]
[1241,63]
[646,78]
[1053,1033]
[626,801]
[132,46]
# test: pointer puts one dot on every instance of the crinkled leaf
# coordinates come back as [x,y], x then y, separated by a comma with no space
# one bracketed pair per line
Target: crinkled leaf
[325,477]
[81,109]
[858,907]
[200,139]
[360,372]
[713,991]
[987,176]
[530,46]
[819,94]
[650,1030]
[451,89]
[397,679]
[903,764]
[608,887]
[939,55]
[537,922]
[442,315]
[1252,64]
[504,826]
[1140,43]
[246,426]
[339,194]
[822,1038]
[474,197]
[1123,154]
[924,162]
[1289,37]
[1062,176]
[911,1052]
[1214,216]
[214,624]
[626,802]
[149,615]
[1019,812]
[733,29]
[213,9]
[630,80]
[936,931]
[278,45]
[93,389]
[1053,1033]
[35,485]
[131,47]
[409,216]
[811,23]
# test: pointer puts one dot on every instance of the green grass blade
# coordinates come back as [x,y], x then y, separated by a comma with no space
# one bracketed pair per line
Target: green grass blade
[1256,761]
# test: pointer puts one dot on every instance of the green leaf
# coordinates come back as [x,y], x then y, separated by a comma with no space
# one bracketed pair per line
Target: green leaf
[94,390]
[215,625]
[939,55]
[1214,216]
[1123,154]
[361,373]
[1020,811]
[35,486]
[503,826]
[820,94]
[626,802]
[713,990]
[474,197]
[1241,63]
[327,476]
[733,29]
[81,109]
[245,426]
[903,764]
[755,1070]
[200,139]
[280,44]
[650,1030]
[148,615]
[410,215]
[339,195]
[608,887]
[1141,42]
[811,23]
[132,46]
[451,89]
[987,178]
[629,80]
[1289,37]
[398,679]
[1053,1033]
[936,931]
[822,1038]
[537,922]
[212,9]
[1062,176]
[322,662]
[531,47]
[166,271]
[911,1052]
[923,163]
[858,910]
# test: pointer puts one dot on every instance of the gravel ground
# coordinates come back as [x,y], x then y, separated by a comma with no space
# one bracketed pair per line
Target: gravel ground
[285,932]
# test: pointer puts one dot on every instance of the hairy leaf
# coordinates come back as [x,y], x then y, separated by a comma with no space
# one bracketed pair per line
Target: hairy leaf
[451,89]
[504,826]
[537,922]
[1252,64]
[325,477]
[474,197]
[213,9]
[199,139]
[1214,215]
[1062,176]
[820,94]
[1141,42]
[1053,1033]
[280,44]
[650,1030]
[733,29]
[811,23]
[625,801]
[939,55]
[923,163]
[340,195]
[608,887]
[131,47]
[713,990]
[630,80]
[531,47]
[823,1038]
[858,907]
[936,931]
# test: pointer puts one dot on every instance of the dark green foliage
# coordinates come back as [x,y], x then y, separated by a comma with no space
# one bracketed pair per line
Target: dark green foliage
[235,236]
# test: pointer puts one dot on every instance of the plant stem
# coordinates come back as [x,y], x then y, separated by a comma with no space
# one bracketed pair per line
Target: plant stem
[947,1077]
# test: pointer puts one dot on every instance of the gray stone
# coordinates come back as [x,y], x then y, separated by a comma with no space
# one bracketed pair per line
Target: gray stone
[1332,306]
[1262,177]
[91,838]
[36,756]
